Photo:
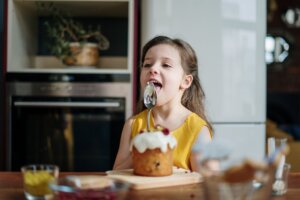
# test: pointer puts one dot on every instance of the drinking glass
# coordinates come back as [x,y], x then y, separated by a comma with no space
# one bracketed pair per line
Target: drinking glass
[36,179]
[280,184]
[281,175]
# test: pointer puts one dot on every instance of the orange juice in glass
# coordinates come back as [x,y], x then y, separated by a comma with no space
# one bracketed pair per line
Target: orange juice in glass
[36,179]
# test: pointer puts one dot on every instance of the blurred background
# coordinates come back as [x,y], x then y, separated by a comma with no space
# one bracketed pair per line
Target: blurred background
[283,71]
[25,63]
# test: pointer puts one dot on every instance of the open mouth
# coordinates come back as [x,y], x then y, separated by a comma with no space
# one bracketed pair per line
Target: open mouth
[157,85]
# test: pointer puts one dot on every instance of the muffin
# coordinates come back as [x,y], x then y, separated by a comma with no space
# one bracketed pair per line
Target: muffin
[152,153]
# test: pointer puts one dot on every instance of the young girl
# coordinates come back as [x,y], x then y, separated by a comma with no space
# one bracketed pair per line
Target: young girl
[171,64]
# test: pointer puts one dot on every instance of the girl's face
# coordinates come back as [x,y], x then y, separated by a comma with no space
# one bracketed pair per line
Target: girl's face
[162,66]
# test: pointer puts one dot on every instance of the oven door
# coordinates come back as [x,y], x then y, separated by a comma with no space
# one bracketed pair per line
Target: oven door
[75,133]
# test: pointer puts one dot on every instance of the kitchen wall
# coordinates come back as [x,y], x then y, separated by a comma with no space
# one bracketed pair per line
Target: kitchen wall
[234,33]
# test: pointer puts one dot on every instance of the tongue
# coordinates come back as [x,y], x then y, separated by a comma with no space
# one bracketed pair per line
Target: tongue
[157,89]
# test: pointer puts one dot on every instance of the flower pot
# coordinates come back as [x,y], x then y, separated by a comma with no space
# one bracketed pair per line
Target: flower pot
[86,54]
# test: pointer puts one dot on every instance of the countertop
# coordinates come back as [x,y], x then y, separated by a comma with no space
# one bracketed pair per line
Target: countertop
[11,188]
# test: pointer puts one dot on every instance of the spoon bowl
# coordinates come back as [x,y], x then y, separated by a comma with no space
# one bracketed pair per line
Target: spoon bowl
[150,99]
[150,96]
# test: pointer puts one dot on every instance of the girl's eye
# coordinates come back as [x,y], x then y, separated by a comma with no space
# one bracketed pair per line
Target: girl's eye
[166,65]
[147,65]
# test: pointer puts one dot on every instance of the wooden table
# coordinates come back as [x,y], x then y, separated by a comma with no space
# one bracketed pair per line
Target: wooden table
[11,189]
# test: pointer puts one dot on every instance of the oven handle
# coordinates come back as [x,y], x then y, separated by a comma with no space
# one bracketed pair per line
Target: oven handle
[67,104]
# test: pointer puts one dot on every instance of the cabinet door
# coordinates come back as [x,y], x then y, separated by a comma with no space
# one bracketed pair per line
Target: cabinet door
[1,37]
[228,37]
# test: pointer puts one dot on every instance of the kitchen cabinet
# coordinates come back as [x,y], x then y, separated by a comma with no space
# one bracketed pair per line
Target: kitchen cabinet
[26,36]
[36,77]
[1,83]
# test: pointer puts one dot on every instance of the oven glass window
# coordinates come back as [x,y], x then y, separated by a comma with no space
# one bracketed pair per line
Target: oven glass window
[75,133]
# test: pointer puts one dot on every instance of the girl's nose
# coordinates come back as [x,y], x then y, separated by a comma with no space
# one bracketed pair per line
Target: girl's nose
[154,69]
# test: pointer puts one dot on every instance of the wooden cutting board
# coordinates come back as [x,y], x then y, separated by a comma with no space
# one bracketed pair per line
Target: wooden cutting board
[179,177]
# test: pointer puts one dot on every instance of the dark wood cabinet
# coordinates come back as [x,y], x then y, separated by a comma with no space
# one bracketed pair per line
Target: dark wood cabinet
[284,77]
[1,84]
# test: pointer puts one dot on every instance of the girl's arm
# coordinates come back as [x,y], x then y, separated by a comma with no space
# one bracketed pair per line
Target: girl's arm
[203,138]
[123,158]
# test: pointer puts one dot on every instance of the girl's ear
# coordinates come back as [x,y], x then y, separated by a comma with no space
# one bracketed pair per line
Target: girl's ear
[186,82]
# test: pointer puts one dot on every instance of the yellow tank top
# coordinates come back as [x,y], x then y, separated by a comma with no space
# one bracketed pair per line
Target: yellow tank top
[186,135]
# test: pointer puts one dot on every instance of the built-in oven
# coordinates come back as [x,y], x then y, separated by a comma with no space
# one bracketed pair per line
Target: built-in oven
[75,125]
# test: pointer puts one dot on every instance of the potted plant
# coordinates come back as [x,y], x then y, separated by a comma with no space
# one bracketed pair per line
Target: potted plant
[71,42]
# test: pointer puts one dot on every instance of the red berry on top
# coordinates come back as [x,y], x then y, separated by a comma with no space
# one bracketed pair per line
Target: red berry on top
[166,131]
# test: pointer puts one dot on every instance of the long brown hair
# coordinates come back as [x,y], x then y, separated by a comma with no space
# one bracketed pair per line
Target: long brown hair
[193,97]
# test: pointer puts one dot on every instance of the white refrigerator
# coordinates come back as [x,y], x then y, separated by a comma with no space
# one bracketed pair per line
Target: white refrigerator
[229,39]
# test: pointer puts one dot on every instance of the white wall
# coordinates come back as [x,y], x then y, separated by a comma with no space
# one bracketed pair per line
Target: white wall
[228,36]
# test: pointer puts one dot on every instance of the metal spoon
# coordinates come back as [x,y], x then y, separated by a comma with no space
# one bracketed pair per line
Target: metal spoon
[149,100]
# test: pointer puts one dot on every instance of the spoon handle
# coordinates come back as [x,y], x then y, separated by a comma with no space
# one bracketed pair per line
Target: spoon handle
[148,119]
[280,167]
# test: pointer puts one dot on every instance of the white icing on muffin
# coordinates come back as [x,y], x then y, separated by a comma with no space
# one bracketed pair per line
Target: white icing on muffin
[153,140]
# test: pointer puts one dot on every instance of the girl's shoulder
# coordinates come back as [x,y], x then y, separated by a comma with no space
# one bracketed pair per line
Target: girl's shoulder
[194,123]
[194,118]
